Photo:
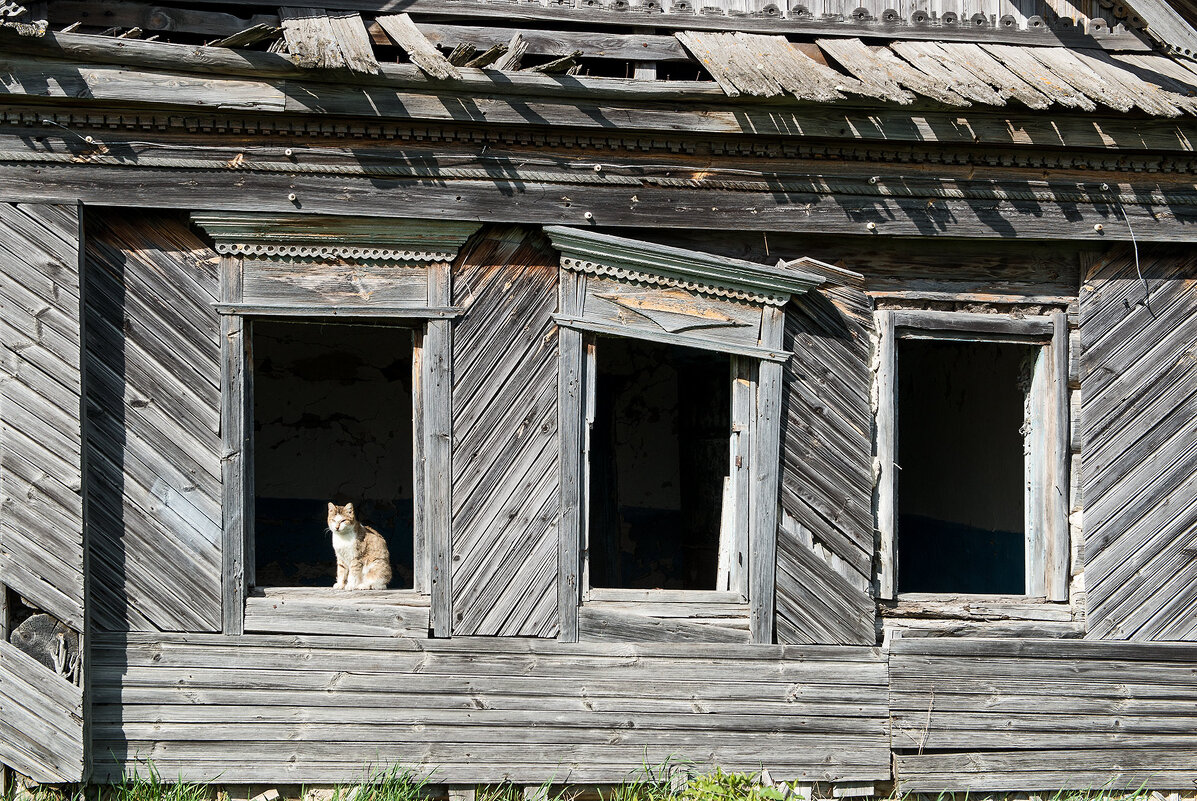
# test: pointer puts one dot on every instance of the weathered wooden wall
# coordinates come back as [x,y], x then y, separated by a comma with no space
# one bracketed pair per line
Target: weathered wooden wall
[479,709]
[153,439]
[42,555]
[825,534]
[1139,453]
[505,448]
[1018,714]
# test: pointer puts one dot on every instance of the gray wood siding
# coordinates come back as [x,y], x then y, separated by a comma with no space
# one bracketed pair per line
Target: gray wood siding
[1139,444]
[153,440]
[1025,715]
[505,474]
[481,709]
[41,505]
[825,531]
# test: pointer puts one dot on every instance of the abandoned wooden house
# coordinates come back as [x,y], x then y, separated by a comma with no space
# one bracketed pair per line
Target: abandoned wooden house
[806,387]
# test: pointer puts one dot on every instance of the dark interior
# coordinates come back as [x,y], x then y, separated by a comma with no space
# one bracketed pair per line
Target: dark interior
[332,422]
[961,498]
[659,456]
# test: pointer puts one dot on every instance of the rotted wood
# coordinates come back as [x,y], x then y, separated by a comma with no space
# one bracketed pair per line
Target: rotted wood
[422,53]
[319,39]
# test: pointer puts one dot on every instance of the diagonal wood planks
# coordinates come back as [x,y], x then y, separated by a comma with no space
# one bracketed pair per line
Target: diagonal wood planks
[42,551]
[153,440]
[1139,462]
[825,536]
[505,494]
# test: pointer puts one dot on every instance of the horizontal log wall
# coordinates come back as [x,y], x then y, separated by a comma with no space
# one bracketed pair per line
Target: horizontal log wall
[478,709]
[1042,714]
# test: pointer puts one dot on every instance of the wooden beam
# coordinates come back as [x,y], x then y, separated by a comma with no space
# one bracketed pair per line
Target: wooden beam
[979,326]
[533,202]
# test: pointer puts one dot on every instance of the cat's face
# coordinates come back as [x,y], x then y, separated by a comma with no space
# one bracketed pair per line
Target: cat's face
[340,517]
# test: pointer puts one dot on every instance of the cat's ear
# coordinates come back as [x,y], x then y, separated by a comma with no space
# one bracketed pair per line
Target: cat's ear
[332,507]
[349,508]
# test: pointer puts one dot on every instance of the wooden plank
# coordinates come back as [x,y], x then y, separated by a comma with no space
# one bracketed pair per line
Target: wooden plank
[764,476]
[438,433]
[291,283]
[981,325]
[354,42]
[311,39]
[570,422]
[236,480]
[600,622]
[320,614]
[409,37]
[1009,83]
[593,44]
[1058,533]
[886,378]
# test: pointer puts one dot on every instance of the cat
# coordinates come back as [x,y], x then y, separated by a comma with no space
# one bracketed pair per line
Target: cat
[363,562]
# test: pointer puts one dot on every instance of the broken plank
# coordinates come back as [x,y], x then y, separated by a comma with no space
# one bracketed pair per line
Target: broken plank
[421,52]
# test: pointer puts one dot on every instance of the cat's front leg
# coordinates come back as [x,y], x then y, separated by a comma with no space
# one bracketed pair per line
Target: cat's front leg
[342,575]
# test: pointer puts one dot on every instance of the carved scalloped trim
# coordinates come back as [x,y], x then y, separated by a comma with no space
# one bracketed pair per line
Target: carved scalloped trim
[325,252]
[633,276]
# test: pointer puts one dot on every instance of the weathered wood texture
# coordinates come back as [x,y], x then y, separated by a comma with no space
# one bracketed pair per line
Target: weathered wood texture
[41,530]
[1139,460]
[41,720]
[616,621]
[42,553]
[825,534]
[480,709]
[153,438]
[505,459]
[1042,714]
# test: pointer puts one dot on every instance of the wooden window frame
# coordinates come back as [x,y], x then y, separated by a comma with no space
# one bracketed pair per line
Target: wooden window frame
[1047,467]
[734,545]
[312,267]
[650,282]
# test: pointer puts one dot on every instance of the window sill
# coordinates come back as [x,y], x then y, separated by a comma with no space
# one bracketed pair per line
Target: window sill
[323,610]
[663,596]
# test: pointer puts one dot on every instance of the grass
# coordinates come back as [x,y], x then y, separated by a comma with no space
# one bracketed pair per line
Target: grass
[651,784]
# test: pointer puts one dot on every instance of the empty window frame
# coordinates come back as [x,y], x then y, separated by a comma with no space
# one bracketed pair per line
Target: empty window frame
[661,510]
[333,420]
[972,449]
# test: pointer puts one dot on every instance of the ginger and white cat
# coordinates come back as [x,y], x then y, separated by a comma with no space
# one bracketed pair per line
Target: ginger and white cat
[363,561]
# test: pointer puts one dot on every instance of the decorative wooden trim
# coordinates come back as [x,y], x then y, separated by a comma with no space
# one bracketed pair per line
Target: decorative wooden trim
[325,237]
[639,261]
[569,322]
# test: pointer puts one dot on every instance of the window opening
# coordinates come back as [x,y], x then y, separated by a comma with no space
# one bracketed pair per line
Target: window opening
[659,465]
[332,421]
[962,479]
